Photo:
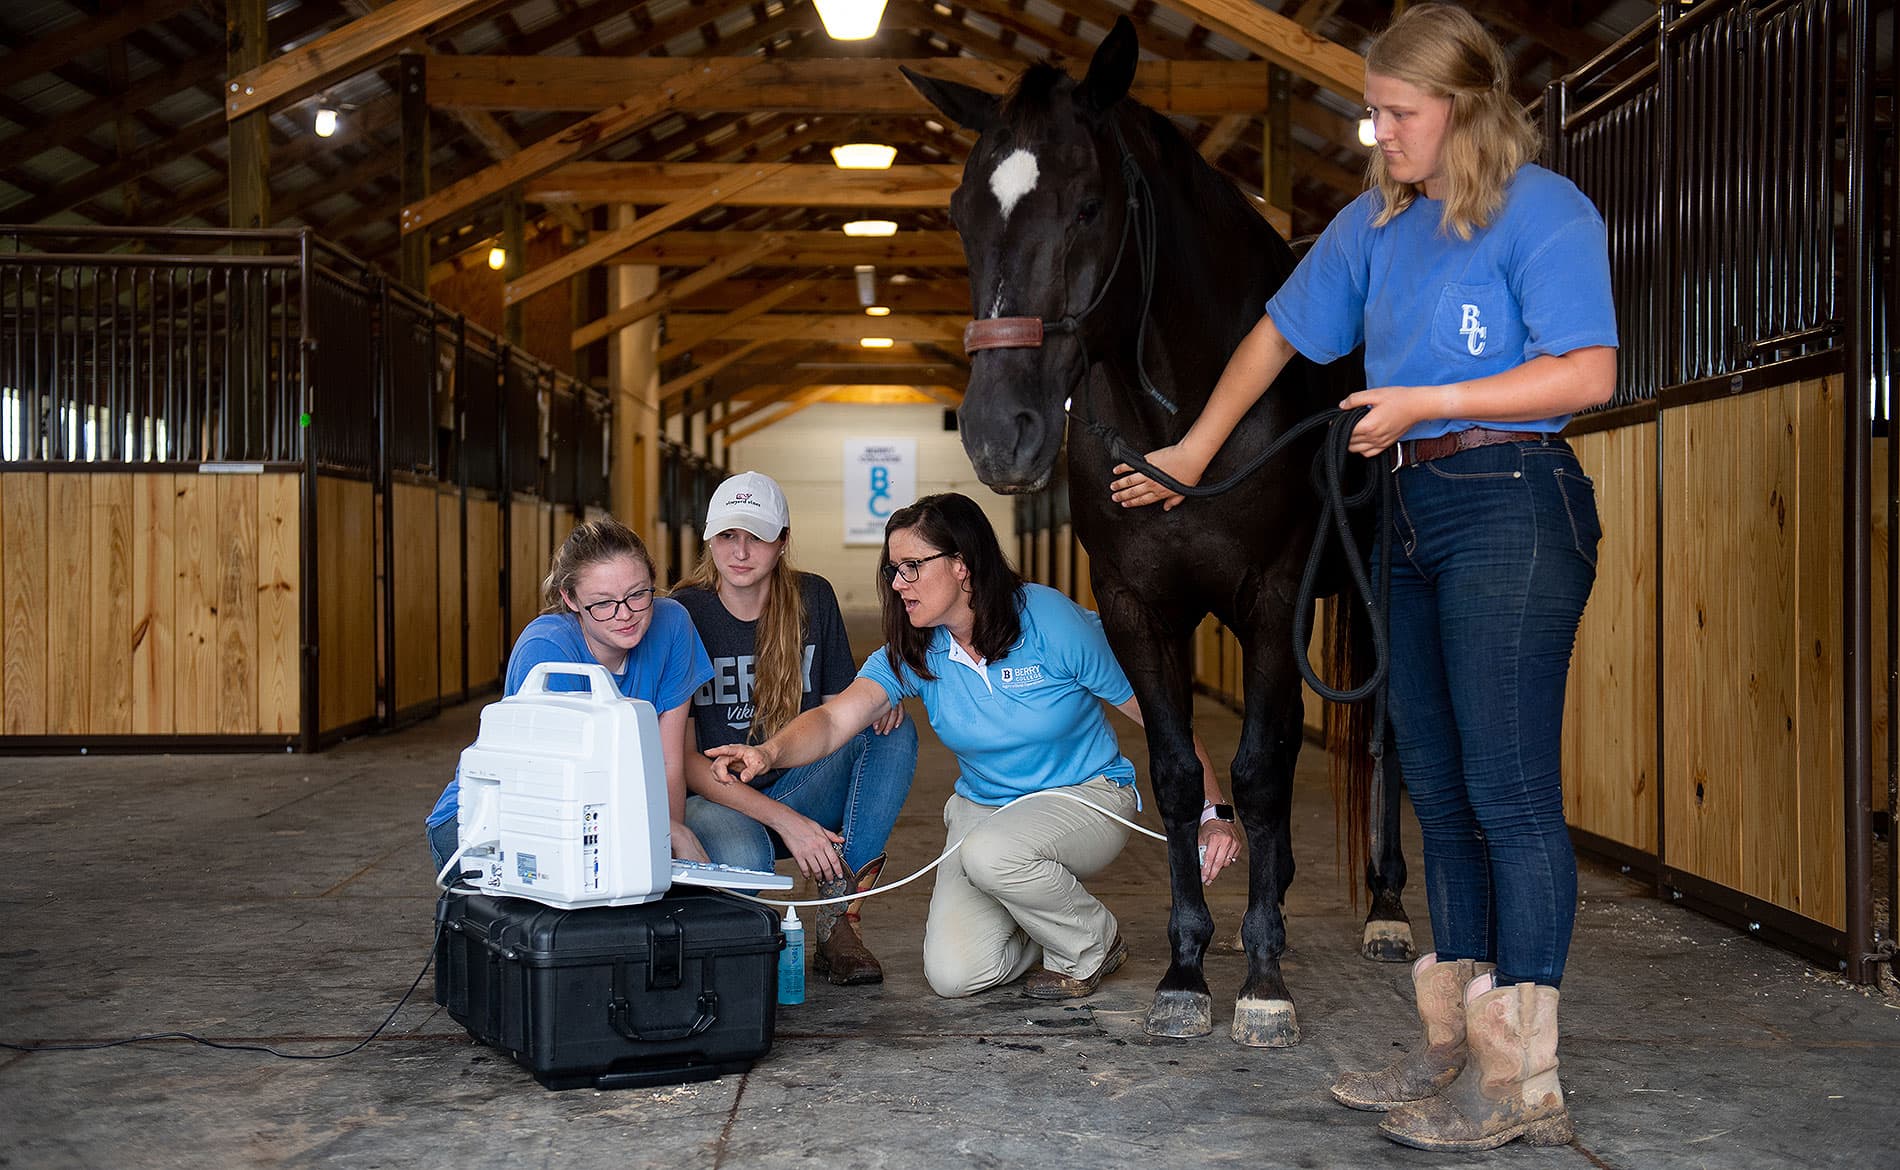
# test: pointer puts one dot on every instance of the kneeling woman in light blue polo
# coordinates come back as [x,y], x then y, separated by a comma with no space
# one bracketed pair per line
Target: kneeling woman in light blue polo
[1013,676]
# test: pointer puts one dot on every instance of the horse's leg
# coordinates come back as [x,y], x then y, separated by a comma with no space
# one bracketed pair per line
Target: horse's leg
[1263,799]
[1159,665]
[1388,933]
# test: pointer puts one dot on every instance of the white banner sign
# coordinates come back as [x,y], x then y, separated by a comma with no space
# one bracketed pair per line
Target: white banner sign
[880,476]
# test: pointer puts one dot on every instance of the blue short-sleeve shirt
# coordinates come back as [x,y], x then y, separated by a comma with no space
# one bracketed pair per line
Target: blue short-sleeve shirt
[1030,720]
[1431,308]
[665,668]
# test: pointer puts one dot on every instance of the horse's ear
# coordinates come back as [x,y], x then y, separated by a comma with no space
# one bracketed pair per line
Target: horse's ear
[966,105]
[1112,69]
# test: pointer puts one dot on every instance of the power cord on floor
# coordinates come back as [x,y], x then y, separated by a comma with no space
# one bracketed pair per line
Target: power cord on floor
[196,1039]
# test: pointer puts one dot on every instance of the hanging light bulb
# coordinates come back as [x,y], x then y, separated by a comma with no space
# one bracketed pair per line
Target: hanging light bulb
[850,20]
[876,342]
[871,227]
[1367,135]
[325,124]
[863,156]
[877,310]
[498,258]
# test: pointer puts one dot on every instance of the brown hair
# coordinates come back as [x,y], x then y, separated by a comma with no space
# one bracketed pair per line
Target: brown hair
[953,523]
[778,646]
[589,544]
[1444,51]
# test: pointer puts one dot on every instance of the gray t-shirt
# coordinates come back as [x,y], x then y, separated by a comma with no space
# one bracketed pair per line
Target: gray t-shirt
[722,709]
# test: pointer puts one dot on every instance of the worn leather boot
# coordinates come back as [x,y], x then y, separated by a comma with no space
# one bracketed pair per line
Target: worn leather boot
[841,953]
[1439,989]
[1508,1088]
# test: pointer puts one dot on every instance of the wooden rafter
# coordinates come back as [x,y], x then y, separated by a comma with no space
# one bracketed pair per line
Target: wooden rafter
[86,35]
[793,404]
[358,45]
[796,185]
[1283,42]
[676,388]
[666,298]
[939,328]
[577,141]
[688,331]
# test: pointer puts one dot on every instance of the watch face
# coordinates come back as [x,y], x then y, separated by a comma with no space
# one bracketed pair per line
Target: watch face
[1223,812]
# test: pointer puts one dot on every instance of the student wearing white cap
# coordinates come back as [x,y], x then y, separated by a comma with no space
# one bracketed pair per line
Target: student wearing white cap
[778,647]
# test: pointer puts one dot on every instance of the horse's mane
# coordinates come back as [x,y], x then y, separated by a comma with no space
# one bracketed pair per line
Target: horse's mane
[1030,103]
[1221,207]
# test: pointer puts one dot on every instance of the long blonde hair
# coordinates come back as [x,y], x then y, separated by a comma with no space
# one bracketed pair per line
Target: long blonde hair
[778,648]
[590,544]
[1445,52]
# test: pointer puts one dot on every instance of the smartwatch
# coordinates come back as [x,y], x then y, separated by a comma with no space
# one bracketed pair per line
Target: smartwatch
[1217,812]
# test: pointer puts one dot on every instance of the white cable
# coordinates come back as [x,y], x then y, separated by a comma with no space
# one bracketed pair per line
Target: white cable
[941,857]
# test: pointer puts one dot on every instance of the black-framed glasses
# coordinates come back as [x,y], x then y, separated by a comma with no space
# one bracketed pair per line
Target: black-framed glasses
[908,569]
[606,611]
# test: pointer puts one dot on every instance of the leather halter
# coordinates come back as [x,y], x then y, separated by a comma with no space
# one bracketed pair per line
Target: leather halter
[1029,332]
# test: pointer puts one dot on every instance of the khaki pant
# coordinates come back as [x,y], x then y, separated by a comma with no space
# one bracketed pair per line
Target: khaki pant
[1012,894]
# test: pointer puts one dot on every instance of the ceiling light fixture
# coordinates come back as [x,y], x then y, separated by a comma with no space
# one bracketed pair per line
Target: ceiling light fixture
[1367,135]
[850,20]
[876,342]
[877,310]
[498,258]
[871,227]
[863,156]
[325,123]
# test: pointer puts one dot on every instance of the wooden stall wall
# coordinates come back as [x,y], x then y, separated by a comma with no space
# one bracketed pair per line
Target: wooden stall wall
[1609,748]
[346,604]
[414,563]
[149,604]
[485,647]
[449,575]
[528,553]
[1751,624]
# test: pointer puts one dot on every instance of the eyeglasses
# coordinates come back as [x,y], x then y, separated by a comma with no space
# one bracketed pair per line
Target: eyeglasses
[908,569]
[606,611]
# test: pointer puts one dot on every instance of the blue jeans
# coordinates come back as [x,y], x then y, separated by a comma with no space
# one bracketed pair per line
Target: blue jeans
[1494,556]
[856,790]
[444,839]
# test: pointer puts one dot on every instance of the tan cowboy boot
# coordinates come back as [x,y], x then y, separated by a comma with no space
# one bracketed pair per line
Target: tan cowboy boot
[840,953]
[1508,1088]
[1439,988]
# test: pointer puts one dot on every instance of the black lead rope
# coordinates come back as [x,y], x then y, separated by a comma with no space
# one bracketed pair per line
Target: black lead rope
[1328,473]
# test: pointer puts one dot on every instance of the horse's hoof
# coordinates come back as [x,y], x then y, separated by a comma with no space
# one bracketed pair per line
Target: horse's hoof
[1387,941]
[1231,945]
[1265,1023]
[1181,1014]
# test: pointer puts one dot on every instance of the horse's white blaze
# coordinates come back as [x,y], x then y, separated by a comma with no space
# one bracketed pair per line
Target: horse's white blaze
[1014,178]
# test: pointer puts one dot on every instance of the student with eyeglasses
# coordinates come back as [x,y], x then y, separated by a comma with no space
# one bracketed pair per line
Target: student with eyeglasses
[599,605]
[778,647]
[1013,676]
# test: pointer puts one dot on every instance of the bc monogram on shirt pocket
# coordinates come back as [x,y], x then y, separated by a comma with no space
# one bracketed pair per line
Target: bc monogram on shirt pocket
[1477,322]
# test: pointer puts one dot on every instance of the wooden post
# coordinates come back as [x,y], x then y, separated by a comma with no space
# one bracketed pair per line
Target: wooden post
[415,165]
[514,239]
[634,378]
[245,45]
[1276,150]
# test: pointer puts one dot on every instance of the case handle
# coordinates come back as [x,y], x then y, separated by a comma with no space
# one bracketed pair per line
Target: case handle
[600,684]
[620,1015]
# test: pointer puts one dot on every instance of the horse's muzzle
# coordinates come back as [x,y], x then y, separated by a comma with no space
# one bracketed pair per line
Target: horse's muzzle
[1003,333]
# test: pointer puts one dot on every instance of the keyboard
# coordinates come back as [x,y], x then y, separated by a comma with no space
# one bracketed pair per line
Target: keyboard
[730,877]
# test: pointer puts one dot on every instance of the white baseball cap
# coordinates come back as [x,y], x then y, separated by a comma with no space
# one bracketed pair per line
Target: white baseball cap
[750,501]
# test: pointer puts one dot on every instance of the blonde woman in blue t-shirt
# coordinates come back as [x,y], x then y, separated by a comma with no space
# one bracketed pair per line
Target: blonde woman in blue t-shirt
[1478,283]
[1013,676]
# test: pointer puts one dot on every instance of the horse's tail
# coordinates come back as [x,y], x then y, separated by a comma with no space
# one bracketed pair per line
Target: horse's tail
[1347,658]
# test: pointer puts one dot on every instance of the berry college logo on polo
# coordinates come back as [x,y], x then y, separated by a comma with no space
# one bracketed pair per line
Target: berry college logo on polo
[1473,332]
[1019,676]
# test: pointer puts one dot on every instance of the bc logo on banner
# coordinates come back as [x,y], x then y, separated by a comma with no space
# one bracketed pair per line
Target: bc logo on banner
[880,476]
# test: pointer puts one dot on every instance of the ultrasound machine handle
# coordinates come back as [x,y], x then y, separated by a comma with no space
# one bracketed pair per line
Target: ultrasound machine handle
[600,684]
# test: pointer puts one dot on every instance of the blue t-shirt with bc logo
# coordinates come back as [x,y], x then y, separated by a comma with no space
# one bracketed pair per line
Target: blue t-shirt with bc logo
[1031,720]
[1431,308]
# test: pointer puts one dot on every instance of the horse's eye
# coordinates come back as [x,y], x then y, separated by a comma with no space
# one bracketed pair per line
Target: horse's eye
[1088,211]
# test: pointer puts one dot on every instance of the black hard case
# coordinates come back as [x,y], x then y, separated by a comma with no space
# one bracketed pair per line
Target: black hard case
[680,989]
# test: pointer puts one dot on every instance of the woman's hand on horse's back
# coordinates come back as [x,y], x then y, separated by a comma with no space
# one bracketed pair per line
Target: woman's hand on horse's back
[1136,490]
[1395,410]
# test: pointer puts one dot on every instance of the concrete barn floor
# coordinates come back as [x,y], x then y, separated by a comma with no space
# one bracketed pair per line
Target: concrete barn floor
[287,898]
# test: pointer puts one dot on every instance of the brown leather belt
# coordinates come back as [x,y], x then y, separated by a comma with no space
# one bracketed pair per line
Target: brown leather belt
[1409,451]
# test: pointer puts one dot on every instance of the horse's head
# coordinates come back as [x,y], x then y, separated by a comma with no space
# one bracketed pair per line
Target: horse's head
[1041,210]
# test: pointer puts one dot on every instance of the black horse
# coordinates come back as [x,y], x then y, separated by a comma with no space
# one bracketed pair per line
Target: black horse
[1112,272]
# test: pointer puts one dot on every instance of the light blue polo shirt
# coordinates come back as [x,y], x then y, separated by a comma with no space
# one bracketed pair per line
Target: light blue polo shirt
[1030,720]
[1432,309]
[665,667]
